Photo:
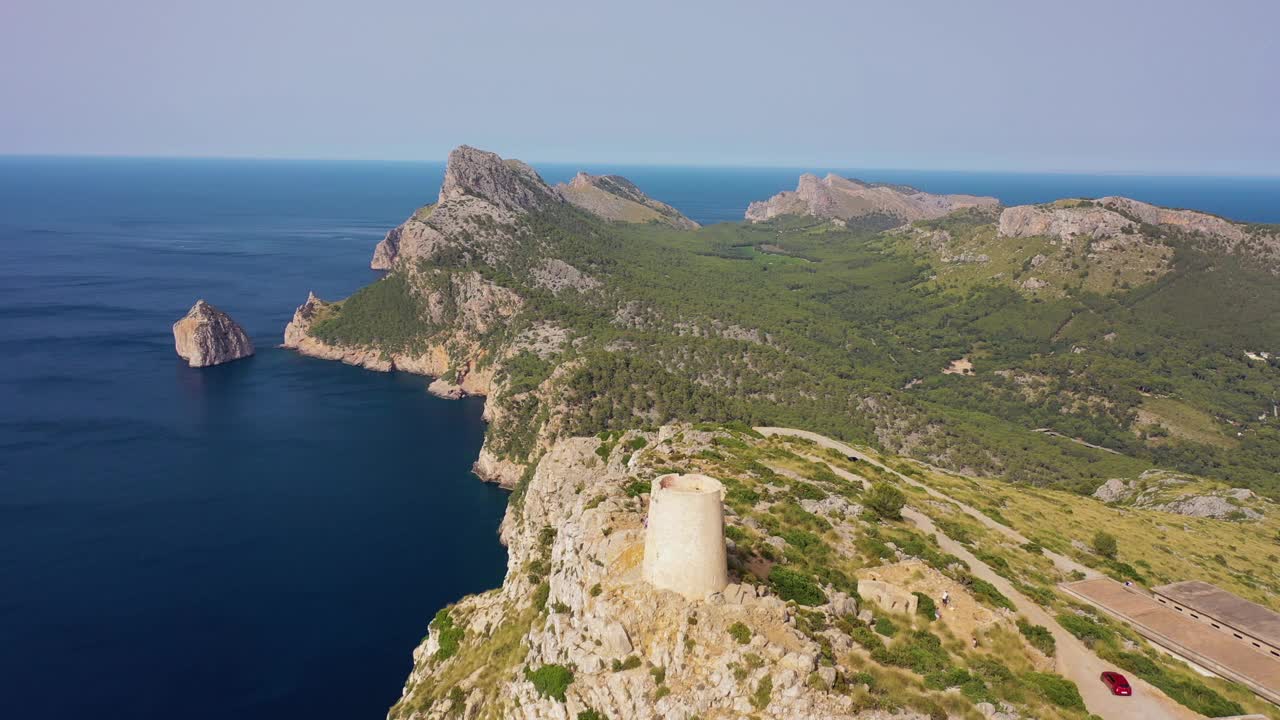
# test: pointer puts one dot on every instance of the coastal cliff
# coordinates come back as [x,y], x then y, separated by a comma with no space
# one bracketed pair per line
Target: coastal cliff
[574,629]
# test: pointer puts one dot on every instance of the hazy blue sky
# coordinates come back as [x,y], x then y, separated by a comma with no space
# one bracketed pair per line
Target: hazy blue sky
[1170,86]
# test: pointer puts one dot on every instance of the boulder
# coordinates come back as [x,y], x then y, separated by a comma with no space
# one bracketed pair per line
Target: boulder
[207,336]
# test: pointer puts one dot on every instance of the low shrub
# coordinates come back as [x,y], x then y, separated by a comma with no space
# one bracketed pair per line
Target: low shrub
[740,632]
[986,592]
[791,585]
[449,636]
[1039,637]
[921,652]
[631,663]
[550,680]
[1089,631]
[885,627]
[763,693]
[925,606]
[1056,689]
[885,501]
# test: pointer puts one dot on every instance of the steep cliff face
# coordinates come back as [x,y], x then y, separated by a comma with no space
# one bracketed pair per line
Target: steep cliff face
[837,198]
[207,336]
[459,274]
[614,197]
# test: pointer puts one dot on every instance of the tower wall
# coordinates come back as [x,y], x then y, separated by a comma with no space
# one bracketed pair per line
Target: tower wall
[684,548]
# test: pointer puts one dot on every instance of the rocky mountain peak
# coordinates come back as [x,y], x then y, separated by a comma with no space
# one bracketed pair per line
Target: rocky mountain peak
[839,198]
[509,184]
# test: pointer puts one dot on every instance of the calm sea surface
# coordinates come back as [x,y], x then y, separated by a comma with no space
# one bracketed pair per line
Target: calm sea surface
[267,538]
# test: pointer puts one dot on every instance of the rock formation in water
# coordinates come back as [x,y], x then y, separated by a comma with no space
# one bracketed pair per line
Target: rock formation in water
[837,198]
[614,197]
[207,336]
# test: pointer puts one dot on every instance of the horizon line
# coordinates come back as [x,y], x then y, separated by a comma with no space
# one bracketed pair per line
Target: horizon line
[709,166]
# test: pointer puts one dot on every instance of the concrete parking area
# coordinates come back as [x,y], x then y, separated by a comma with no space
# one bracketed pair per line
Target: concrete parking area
[1217,652]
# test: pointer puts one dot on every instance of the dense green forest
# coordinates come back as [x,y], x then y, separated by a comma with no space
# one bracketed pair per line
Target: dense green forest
[802,323]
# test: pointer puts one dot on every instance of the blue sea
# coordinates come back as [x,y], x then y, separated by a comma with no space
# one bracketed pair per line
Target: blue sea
[267,538]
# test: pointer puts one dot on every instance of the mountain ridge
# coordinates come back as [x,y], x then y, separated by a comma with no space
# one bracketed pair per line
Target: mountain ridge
[844,199]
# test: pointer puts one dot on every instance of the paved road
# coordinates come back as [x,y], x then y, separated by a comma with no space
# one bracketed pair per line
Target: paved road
[1073,660]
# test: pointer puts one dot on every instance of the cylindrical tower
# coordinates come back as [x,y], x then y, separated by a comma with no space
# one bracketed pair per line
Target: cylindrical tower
[684,547]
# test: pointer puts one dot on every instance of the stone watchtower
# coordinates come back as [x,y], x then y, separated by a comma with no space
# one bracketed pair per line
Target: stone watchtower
[684,546]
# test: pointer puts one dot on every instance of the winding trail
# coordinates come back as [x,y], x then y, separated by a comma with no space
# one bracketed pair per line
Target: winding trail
[1073,660]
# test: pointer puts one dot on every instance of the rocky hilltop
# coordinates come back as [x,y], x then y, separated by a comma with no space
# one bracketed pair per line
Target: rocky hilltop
[843,199]
[614,197]
[207,336]
[1105,245]
[576,632]
[1117,218]
[481,197]
[484,195]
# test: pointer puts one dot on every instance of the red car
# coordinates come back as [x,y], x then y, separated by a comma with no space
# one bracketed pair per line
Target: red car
[1116,683]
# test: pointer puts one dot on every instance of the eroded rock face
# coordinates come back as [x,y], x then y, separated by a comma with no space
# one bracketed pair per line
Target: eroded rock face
[1062,222]
[207,336]
[837,198]
[614,197]
[509,184]
[480,200]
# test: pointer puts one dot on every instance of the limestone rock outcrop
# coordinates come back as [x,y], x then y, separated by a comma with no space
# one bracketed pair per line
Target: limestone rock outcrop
[1173,493]
[1063,222]
[1120,220]
[207,336]
[506,183]
[483,197]
[843,199]
[614,197]
[479,202]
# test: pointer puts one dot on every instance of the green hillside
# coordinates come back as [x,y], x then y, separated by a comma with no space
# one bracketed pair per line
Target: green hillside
[847,331]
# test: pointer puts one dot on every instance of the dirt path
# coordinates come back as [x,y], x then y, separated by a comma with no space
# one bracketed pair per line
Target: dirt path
[1073,660]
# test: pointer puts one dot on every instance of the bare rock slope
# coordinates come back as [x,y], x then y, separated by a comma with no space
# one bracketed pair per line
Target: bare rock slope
[207,336]
[837,198]
[614,197]
[482,195]
[1182,495]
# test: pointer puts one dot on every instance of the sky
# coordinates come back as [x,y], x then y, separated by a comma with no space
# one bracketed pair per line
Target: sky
[1119,86]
